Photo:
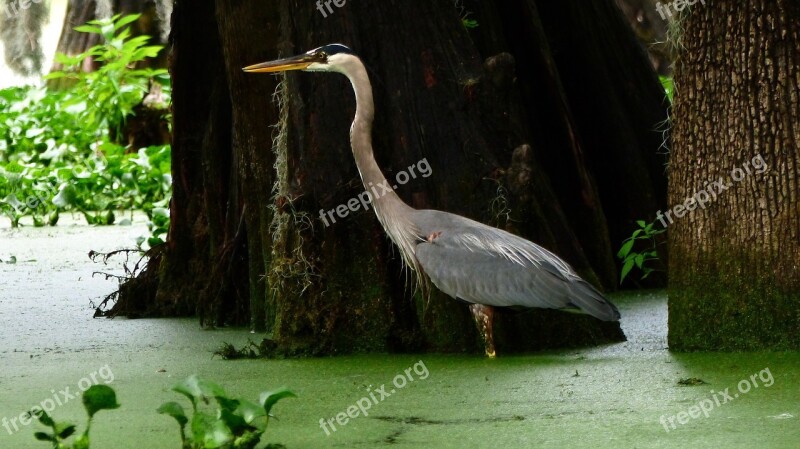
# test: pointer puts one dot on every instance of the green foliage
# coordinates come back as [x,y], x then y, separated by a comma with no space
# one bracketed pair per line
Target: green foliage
[249,351]
[96,182]
[469,23]
[632,257]
[37,126]
[669,87]
[96,398]
[110,93]
[56,154]
[235,424]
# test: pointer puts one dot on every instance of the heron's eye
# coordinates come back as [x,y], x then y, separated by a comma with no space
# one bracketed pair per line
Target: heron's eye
[323,55]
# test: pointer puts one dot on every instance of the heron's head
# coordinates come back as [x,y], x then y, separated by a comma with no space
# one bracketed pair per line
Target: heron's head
[328,58]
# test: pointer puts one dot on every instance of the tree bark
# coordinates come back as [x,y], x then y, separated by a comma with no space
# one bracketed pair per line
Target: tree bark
[734,277]
[501,123]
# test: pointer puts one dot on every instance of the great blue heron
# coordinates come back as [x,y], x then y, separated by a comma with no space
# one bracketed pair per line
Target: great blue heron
[481,265]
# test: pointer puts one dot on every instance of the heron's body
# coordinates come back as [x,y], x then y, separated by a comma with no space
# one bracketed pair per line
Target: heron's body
[485,265]
[468,260]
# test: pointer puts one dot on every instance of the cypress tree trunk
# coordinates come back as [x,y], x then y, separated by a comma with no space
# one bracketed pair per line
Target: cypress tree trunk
[734,275]
[502,124]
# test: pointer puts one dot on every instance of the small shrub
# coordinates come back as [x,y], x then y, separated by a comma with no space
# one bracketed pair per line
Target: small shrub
[235,424]
[109,94]
[642,257]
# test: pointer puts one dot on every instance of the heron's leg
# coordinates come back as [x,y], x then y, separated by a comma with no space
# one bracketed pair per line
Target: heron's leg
[484,316]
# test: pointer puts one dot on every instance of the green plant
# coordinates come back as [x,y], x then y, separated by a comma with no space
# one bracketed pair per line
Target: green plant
[669,87]
[469,23]
[58,150]
[41,126]
[111,92]
[235,424]
[106,181]
[631,258]
[158,225]
[96,398]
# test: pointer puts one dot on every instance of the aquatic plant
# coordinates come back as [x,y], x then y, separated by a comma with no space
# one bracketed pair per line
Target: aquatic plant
[235,424]
[95,398]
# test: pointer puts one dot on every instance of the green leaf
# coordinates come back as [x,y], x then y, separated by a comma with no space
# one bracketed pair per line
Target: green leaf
[126,20]
[190,389]
[99,397]
[54,75]
[12,201]
[639,260]
[218,436]
[669,87]
[174,410]
[88,29]
[82,442]
[250,411]
[65,197]
[641,223]
[41,436]
[626,268]
[195,388]
[227,403]
[234,422]
[43,417]
[107,30]
[210,432]
[155,241]
[64,430]
[250,439]
[160,212]
[626,248]
[268,399]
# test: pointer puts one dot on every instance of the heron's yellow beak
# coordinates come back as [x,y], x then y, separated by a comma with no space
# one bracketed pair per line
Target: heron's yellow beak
[298,62]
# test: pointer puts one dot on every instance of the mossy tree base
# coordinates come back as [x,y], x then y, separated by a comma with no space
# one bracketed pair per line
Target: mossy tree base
[734,183]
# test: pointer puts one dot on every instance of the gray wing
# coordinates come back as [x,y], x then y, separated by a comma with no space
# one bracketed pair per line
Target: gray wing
[485,265]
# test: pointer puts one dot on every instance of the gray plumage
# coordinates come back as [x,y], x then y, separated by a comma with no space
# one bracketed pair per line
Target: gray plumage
[485,265]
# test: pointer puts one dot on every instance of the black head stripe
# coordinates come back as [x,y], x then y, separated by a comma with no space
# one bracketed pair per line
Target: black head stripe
[332,49]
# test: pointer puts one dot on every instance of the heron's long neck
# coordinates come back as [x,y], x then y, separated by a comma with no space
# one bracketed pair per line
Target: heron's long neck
[361,141]
[392,212]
